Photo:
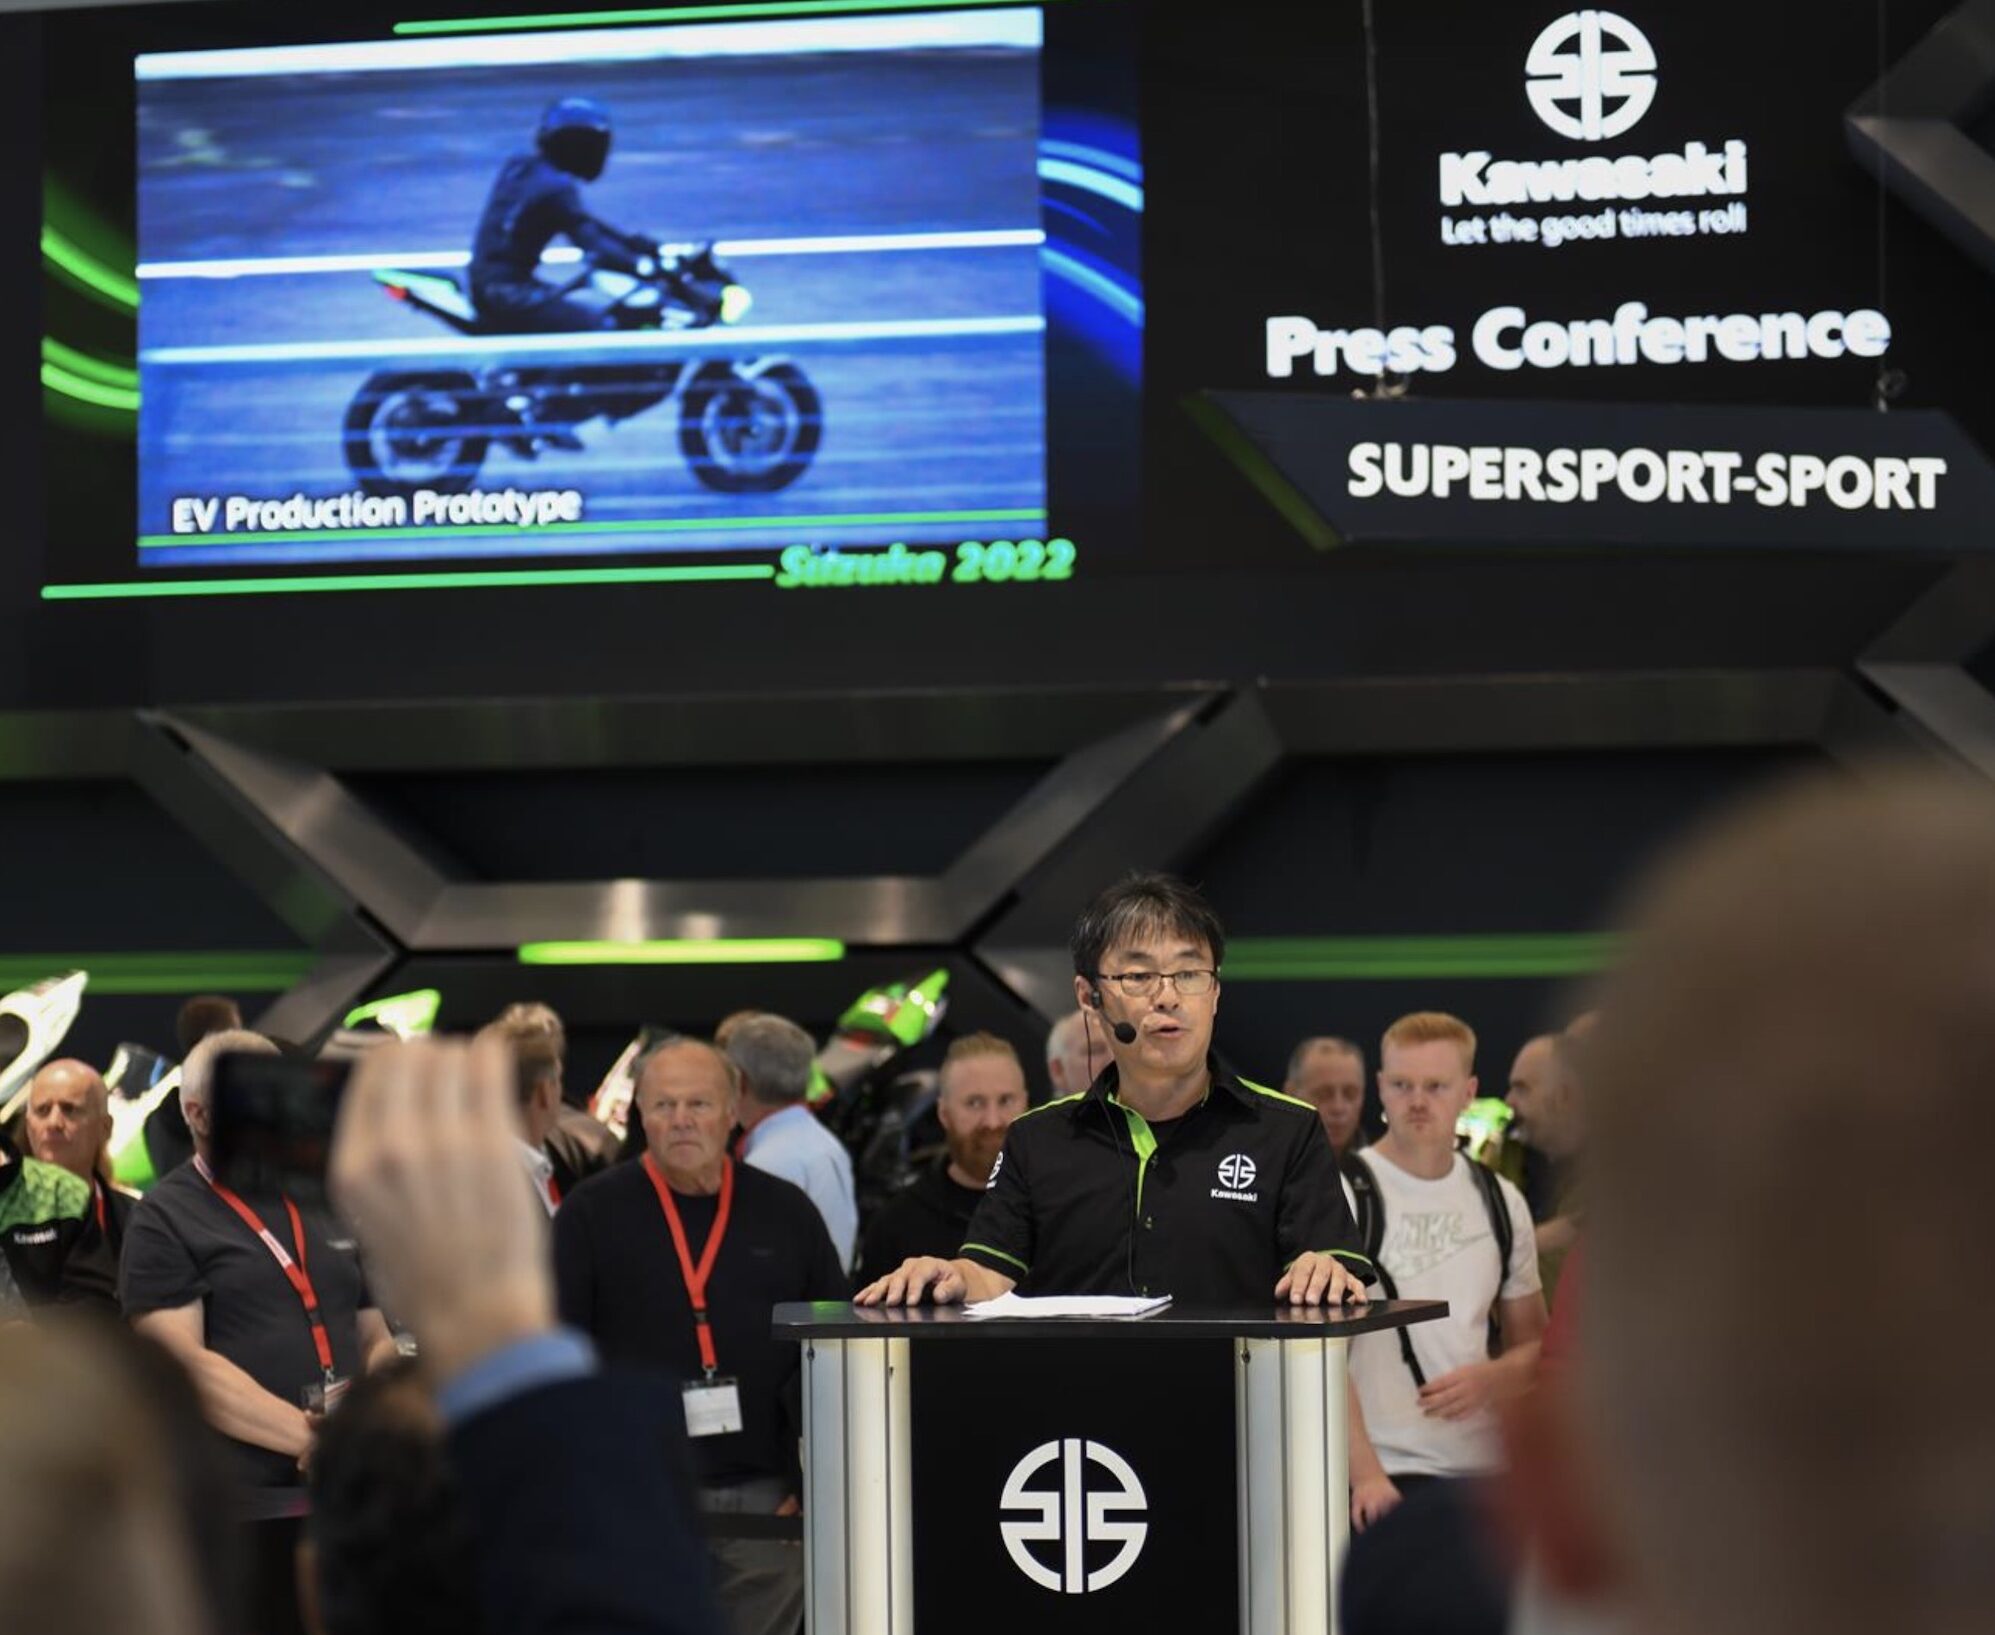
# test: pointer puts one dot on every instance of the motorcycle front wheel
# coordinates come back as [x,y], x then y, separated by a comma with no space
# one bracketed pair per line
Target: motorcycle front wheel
[750,434]
[406,432]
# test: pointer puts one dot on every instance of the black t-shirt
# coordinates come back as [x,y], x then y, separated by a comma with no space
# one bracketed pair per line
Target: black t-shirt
[929,1218]
[1088,1198]
[620,1283]
[184,1244]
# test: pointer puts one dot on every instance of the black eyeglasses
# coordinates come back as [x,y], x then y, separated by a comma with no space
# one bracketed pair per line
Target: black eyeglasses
[1142,984]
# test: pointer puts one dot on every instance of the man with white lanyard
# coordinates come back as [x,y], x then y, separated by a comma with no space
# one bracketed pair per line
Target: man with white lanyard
[674,1263]
[262,1301]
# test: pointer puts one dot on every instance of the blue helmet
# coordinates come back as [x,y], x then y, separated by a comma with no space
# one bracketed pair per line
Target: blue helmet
[574,134]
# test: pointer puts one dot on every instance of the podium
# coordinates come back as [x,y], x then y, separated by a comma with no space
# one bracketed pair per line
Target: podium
[1186,1470]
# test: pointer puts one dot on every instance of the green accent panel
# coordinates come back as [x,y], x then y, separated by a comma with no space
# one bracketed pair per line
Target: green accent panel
[680,14]
[132,1167]
[1048,1106]
[43,1194]
[164,973]
[1144,1140]
[1262,472]
[1277,1095]
[688,951]
[105,284]
[1514,955]
[660,525]
[480,579]
[985,1248]
[402,1013]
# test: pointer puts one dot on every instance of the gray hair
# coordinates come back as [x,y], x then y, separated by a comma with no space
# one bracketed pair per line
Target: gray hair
[197,1073]
[1058,1036]
[1323,1041]
[774,1056]
[680,1041]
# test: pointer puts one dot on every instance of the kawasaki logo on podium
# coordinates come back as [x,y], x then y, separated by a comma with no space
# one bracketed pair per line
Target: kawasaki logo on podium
[1073,1515]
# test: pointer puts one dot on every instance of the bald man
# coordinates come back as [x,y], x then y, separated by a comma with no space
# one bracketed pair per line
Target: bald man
[68,1124]
[1074,1055]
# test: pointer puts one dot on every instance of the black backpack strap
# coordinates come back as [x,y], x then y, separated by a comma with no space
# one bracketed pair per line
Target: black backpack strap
[1506,1240]
[1370,1220]
[1371,1232]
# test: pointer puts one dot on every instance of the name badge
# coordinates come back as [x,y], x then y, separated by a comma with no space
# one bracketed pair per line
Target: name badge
[713,1407]
[324,1396]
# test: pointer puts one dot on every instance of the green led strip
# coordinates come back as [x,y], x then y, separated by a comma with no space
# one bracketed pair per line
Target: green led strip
[85,390]
[1517,955]
[688,951]
[680,14]
[163,973]
[497,579]
[81,268]
[681,525]
[91,380]
[102,370]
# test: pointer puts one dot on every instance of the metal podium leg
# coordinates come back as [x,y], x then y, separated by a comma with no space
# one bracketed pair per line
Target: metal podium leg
[1294,1484]
[858,1519]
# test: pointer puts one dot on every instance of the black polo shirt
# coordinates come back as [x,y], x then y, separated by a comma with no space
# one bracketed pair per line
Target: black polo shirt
[184,1244]
[932,1217]
[1088,1199]
[618,1279]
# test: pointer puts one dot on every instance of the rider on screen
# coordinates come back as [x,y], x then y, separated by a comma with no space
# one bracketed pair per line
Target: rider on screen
[536,198]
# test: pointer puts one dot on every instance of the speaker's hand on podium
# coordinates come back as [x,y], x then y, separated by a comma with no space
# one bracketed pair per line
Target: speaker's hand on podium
[1314,1279]
[941,1281]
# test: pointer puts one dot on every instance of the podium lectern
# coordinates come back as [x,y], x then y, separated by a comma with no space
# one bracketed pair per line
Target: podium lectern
[1185,1470]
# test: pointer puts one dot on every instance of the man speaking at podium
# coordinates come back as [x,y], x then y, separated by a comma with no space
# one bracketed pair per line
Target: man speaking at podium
[1167,1176]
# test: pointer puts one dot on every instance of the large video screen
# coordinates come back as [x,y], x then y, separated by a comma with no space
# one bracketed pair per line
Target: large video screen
[806,297]
[608,293]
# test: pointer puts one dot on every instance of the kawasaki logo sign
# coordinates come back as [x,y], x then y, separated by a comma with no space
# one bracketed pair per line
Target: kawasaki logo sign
[1590,76]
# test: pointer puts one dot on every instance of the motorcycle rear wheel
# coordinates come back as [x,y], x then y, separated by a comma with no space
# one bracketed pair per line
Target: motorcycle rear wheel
[406,432]
[750,434]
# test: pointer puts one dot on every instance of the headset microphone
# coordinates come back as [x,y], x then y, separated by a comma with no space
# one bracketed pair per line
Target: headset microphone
[1125,1032]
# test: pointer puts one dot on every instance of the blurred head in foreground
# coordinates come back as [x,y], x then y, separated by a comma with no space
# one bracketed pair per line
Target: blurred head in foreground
[94,1488]
[388,1545]
[1785,1340]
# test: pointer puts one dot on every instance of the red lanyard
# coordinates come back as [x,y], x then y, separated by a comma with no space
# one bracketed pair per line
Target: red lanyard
[294,1270]
[696,1276]
[97,1198]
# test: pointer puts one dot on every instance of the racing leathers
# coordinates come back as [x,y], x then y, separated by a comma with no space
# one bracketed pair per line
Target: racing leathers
[531,203]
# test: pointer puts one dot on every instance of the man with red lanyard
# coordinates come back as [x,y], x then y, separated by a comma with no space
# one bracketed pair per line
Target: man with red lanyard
[68,1124]
[261,1300]
[674,1262]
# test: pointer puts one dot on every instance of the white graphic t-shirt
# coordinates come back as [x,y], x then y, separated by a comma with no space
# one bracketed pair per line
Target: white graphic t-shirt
[1438,1246]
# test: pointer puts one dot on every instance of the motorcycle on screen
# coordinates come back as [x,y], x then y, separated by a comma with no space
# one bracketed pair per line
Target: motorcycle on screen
[746,425]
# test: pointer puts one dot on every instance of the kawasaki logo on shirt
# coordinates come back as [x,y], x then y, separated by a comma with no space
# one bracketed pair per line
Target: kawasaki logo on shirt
[1236,1175]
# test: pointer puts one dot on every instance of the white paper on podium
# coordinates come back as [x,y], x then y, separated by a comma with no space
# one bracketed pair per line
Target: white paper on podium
[1068,1305]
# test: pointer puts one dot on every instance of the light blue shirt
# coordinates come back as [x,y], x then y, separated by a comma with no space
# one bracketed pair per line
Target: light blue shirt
[794,1146]
[526,1365]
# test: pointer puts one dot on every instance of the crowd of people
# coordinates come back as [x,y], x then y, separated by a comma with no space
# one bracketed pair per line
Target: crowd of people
[518,1372]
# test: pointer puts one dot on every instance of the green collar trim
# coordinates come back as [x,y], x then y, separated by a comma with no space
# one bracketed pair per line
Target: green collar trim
[1277,1095]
